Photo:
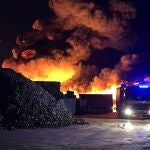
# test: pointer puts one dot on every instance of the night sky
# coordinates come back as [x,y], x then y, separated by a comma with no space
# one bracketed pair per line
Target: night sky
[17,16]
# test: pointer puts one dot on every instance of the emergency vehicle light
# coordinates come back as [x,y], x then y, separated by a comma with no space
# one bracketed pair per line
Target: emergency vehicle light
[144,86]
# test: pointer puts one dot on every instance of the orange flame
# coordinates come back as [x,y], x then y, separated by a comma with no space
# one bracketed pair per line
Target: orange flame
[45,69]
[86,28]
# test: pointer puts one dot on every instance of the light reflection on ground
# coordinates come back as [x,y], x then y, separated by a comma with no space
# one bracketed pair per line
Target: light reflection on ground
[113,134]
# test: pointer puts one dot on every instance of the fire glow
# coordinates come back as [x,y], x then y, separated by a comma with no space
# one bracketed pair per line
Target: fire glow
[80,28]
[44,69]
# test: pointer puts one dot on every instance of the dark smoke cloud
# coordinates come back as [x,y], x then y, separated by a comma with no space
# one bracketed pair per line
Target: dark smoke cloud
[69,38]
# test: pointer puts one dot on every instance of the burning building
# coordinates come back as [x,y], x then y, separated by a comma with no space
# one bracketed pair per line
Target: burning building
[60,48]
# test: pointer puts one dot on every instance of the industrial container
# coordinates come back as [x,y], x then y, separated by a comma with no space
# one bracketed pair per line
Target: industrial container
[95,103]
[70,102]
[51,86]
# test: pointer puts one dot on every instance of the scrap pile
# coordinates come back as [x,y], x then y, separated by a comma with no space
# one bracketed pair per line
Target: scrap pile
[24,104]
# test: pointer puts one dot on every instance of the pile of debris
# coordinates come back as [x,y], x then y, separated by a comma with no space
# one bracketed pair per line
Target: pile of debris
[24,104]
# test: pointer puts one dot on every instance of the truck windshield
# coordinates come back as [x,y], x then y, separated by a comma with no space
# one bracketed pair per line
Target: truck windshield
[137,93]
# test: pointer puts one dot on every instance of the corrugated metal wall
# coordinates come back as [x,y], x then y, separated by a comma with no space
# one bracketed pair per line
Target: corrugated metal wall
[96,102]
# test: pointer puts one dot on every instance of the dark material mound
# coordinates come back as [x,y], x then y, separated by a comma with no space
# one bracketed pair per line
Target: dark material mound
[24,104]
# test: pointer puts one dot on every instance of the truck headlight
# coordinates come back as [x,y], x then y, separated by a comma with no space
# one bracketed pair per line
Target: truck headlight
[149,112]
[128,112]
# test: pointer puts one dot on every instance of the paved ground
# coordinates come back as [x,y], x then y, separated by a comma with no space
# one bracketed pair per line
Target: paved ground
[100,134]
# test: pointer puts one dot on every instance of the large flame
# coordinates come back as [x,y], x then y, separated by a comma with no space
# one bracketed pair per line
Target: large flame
[44,69]
[59,48]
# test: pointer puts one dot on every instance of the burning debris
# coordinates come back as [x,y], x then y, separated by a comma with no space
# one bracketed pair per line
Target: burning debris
[24,104]
[59,48]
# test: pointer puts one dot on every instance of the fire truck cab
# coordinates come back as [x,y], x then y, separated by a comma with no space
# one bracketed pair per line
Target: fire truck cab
[133,101]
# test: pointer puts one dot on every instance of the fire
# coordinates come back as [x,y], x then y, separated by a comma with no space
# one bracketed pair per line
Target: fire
[60,48]
[44,69]
[112,91]
[95,90]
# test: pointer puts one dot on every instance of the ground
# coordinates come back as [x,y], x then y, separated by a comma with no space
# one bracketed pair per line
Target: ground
[101,133]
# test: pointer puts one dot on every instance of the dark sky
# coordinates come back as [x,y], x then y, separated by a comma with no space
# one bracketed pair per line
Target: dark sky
[17,16]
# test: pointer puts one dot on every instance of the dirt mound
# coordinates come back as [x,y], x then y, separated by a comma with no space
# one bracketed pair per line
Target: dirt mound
[24,104]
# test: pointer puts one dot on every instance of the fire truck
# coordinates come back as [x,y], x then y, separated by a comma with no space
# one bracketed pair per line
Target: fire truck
[133,101]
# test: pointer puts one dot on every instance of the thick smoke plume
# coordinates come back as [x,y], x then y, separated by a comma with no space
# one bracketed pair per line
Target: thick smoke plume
[59,48]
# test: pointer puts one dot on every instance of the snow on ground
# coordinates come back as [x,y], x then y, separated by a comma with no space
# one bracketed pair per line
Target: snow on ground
[100,134]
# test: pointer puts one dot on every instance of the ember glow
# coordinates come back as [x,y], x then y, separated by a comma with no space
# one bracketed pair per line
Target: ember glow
[59,48]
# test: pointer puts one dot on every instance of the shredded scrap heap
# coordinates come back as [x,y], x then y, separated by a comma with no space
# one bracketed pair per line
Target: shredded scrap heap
[24,104]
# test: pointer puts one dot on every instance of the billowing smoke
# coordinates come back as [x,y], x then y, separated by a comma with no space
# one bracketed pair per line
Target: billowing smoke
[59,48]
[109,78]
